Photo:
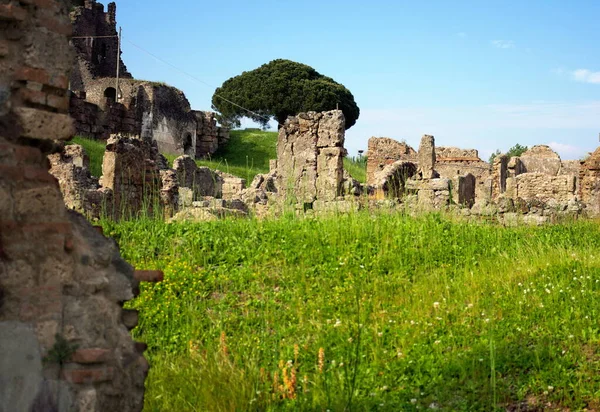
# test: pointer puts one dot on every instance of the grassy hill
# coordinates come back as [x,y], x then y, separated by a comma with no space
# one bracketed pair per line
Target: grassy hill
[246,154]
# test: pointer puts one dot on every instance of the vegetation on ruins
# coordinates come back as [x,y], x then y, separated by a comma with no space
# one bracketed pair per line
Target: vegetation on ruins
[279,89]
[367,312]
[515,151]
[247,154]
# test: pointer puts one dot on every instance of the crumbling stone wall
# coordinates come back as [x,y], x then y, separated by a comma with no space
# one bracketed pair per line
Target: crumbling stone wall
[541,159]
[589,184]
[94,123]
[96,57]
[390,182]
[452,161]
[130,171]
[383,151]
[310,152]
[61,282]
[543,187]
[151,110]
[200,180]
[81,191]
[209,136]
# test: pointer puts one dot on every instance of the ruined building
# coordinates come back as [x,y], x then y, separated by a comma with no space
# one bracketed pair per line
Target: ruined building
[538,182]
[151,110]
[64,335]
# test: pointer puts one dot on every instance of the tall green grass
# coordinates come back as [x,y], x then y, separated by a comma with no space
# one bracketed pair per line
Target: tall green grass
[95,150]
[357,167]
[367,312]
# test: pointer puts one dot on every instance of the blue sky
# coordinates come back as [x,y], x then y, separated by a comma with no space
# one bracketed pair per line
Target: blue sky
[475,74]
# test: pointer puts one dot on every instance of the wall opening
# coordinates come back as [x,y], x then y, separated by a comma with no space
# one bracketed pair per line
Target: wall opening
[110,94]
[187,143]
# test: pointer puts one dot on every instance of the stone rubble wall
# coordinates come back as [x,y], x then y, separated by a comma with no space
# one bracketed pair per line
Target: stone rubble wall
[61,282]
[96,57]
[150,110]
[209,136]
[310,152]
[541,159]
[383,151]
[537,175]
[589,184]
[129,170]
[81,191]
[95,123]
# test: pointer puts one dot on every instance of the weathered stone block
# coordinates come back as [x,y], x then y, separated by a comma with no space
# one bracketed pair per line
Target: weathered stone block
[39,124]
[330,169]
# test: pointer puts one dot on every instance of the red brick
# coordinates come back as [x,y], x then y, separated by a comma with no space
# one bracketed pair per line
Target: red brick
[58,102]
[27,155]
[39,174]
[149,275]
[33,96]
[12,12]
[30,74]
[59,81]
[79,376]
[91,355]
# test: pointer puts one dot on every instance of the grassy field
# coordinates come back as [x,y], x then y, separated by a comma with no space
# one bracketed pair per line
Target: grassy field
[247,154]
[367,312]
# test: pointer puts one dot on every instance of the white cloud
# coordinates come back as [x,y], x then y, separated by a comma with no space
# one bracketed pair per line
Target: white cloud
[568,151]
[503,44]
[586,76]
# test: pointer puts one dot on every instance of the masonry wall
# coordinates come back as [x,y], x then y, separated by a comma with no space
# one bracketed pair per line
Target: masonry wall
[310,152]
[61,282]
[452,161]
[92,122]
[383,151]
[589,184]
[96,57]
[209,136]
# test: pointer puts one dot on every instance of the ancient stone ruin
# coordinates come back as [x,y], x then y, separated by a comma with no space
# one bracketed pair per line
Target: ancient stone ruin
[64,335]
[538,183]
[150,110]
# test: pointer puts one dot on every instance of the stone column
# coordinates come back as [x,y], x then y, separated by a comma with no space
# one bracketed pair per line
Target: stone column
[427,157]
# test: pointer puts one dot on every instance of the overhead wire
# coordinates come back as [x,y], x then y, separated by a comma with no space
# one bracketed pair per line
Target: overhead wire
[268,119]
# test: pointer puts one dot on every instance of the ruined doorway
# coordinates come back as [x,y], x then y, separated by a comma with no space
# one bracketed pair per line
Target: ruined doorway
[187,144]
[110,94]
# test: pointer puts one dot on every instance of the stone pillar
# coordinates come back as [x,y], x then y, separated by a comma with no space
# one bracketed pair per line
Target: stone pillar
[499,174]
[427,157]
[310,152]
